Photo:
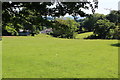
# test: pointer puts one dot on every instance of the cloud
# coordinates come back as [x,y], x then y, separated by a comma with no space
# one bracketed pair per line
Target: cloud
[104,6]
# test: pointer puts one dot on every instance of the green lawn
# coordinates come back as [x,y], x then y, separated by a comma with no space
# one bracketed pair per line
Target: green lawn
[84,35]
[47,57]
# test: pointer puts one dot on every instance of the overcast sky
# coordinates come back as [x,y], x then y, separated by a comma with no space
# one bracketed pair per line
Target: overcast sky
[109,4]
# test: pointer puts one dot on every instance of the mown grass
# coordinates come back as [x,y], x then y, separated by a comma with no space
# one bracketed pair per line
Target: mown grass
[84,35]
[43,56]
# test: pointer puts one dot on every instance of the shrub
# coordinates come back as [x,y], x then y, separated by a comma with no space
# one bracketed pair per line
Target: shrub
[104,29]
[116,33]
[89,22]
[65,28]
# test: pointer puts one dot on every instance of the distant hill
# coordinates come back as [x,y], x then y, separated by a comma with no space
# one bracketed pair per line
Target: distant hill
[64,18]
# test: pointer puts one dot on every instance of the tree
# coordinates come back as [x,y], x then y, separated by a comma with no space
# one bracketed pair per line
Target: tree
[89,22]
[103,29]
[65,28]
[26,18]
[116,33]
[30,15]
[114,16]
[72,8]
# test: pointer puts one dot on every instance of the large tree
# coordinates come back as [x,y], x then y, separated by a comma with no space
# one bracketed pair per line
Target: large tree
[33,15]
[114,16]
[89,22]
[65,28]
[103,29]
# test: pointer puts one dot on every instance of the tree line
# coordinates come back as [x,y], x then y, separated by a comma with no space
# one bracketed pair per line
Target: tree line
[32,16]
[102,26]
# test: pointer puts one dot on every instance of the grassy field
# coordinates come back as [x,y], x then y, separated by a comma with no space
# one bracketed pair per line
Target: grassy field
[47,57]
[84,35]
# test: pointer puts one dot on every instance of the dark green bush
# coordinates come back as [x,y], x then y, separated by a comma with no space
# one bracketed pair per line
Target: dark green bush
[104,29]
[65,28]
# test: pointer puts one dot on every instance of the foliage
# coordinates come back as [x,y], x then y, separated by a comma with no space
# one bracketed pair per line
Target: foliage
[29,16]
[104,26]
[114,16]
[116,33]
[65,28]
[10,28]
[89,22]
[103,29]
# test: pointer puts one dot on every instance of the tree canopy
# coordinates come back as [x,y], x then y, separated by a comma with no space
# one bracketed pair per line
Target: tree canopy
[33,15]
[89,22]
[103,29]
[65,28]
[114,16]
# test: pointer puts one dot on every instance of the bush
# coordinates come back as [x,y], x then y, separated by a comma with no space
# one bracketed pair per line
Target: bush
[113,34]
[116,33]
[104,29]
[65,28]
[89,22]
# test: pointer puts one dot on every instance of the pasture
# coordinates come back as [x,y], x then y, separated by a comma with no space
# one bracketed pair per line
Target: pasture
[44,56]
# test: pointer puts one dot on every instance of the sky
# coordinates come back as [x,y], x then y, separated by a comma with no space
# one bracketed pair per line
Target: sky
[107,4]
[104,6]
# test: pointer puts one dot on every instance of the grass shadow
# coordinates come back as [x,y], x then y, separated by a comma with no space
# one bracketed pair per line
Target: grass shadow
[116,45]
